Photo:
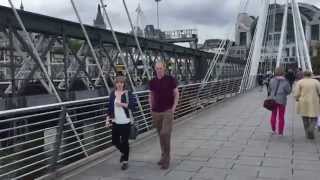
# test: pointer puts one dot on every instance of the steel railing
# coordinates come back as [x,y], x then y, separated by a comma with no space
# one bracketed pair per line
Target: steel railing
[39,140]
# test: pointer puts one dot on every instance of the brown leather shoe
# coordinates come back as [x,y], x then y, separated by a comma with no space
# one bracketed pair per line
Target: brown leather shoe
[165,166]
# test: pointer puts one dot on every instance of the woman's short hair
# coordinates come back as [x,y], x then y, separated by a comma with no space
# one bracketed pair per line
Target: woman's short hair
[279,71]
[307,73]
[120,79]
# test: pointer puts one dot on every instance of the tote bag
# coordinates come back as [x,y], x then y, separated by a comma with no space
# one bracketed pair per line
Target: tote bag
[133,129]
[270,103]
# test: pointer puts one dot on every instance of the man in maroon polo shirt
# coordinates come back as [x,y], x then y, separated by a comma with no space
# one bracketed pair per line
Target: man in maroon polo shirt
[163,100]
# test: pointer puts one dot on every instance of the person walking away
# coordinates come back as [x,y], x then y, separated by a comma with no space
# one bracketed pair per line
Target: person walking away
[307,92]
[119,119]
[279,89]
[260,82]
[163,100]
[267,81]
[318,124]
[290,76]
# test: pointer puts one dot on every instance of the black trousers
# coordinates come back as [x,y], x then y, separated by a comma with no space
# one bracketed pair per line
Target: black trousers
[120,138]
[309,124]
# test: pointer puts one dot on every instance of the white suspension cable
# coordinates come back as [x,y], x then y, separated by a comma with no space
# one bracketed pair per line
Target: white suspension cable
[123,60]
[117,45]
[143,56]
[208,74]
[213,62]
[90,46]
[221,46]
[34,51]
[299,39]
[245,76]
[224,58]
[43,68]
[246,4]
[266,38]
[304,42]
[283,34]
[296,37]
[258,43]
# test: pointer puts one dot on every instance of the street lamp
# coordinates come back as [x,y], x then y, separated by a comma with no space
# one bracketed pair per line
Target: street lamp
[157,1]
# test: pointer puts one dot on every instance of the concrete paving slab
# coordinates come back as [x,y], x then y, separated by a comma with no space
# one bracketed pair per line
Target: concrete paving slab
[230,141]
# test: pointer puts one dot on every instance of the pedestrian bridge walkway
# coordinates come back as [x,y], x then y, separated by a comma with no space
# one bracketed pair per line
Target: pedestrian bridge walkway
[229,141]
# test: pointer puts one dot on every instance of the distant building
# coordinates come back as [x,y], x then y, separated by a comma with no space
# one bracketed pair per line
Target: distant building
[99,21]
[246,25]
[311,23]
[21,6]
[244,30]
[212,45]
[138,30]
[151,33]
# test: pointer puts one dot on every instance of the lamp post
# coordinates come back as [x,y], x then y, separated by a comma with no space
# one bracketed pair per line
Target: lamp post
[157,1]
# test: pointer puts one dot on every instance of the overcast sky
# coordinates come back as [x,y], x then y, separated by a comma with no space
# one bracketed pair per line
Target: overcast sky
[212,18]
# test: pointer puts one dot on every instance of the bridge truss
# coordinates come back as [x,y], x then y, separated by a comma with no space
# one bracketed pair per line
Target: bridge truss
[69,61]
[181,36]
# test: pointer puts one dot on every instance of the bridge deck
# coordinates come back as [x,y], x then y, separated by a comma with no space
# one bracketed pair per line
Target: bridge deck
[230,141]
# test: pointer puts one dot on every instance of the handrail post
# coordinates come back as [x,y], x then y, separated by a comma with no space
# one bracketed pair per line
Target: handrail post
[57,144]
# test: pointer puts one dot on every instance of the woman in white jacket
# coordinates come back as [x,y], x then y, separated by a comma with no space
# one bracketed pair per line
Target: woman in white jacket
[119,118]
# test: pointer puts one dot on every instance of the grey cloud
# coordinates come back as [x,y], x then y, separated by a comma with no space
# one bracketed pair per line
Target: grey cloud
[211,17]
[205,14]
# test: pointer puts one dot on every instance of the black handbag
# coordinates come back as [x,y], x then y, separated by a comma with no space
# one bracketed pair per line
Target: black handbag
[269,103]
[133,128]
[133,132]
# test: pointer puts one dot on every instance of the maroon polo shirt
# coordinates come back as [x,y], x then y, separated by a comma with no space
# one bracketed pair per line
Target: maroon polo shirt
[162,90]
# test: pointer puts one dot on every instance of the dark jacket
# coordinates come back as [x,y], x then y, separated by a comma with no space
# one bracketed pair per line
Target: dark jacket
[290,76]
[260,79]
[131,104]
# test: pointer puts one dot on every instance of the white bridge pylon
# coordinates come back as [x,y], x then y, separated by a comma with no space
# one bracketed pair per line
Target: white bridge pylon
[254,58]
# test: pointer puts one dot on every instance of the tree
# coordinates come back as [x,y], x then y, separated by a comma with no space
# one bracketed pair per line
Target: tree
[75,44]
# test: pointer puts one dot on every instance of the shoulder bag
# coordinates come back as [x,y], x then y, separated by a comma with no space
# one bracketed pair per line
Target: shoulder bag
[133,129]
[270,103]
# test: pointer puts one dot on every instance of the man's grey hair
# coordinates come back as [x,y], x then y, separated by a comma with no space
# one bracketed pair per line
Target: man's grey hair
[162,63]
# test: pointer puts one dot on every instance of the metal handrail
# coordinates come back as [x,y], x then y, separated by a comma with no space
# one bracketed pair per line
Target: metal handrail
[49,143]
[69,103]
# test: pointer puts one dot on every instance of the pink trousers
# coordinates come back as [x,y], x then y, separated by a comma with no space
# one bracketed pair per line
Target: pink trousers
[280,111]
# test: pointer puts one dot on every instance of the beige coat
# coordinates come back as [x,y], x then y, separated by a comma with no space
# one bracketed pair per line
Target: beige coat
[307,92]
